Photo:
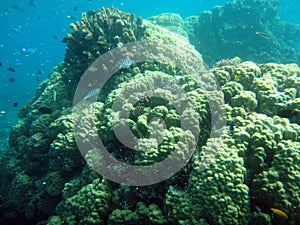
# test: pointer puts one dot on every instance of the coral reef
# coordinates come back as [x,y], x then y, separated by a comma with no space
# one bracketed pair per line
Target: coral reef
[45,180]
[99,32]
[170,21]
[89,205]
[249,29]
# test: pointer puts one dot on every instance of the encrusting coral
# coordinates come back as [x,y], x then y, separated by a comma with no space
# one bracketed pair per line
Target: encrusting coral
[256,164]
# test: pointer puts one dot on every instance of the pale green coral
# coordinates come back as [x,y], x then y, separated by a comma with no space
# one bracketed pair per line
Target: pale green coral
[211,195]
[245,99]
[170,21]
[54,220]
[54,183]
[122,217]
[145,102]
[278,187]
[143,215]
[88,206]
[274,87]
[271,159]
[20,183]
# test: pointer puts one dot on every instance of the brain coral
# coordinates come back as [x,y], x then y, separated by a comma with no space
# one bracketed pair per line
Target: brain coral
[233,179]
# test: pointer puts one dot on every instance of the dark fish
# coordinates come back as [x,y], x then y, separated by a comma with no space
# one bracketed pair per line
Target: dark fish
[125,63]
[37,79]
[45,110]
[40,72]
[75,8]
[54,37]
[92,93]
[12,80]
[15,104]
[11,69]
[1,64]
[32,3]
[16,7]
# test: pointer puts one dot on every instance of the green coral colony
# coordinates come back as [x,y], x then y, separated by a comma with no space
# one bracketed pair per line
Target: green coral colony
[45,180]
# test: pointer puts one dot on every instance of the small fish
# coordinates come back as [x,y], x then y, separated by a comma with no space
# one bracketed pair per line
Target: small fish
[16,7]
[18,65]
[45,110]
[54,37]
[28,51]
[263,34]
[40,72]
[12,80]
[32,3]
[71,17]
[15,104]
[54,95]
[10,69]
[279,213]
[125,63]
[92,93]
[1,64]
[92,69]
[16,30]
[37,79]
[75,8]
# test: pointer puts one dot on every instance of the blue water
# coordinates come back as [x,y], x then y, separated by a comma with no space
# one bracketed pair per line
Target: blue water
[31,36]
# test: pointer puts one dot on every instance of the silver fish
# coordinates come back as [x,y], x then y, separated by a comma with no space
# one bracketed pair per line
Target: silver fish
[125,63]
[92,93]
[54,95]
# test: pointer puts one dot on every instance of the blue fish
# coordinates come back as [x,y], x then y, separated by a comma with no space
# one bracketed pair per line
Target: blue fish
[28,51]
[18,64]
[125,63]
[32,3]
[92,93]
[16,29]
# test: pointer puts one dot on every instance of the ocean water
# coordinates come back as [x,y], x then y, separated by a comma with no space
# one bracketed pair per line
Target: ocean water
[31,46]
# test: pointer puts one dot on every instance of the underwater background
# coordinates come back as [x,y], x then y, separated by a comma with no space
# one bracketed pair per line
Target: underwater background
[252,48]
